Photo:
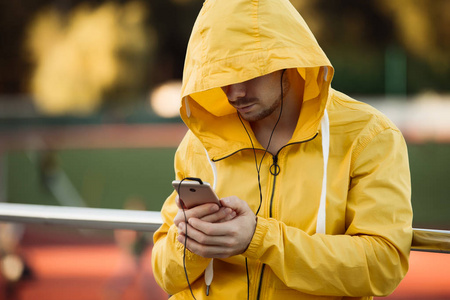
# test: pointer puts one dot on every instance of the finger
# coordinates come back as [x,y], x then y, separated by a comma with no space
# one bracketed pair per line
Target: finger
[208,251]
[229,217]
[179,217]
[196,212]
[202,211]
[177,201]
[212,229]
[235,204]
[202,238]
[181,228]
[185,229]
[224,213]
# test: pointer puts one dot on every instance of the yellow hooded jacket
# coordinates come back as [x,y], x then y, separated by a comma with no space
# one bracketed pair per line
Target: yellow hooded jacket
[335,221]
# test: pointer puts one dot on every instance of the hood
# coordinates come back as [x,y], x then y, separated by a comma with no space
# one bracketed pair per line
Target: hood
[234,41]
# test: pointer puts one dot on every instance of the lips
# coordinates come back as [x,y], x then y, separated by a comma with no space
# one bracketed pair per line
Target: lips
[244,105]
[245,108]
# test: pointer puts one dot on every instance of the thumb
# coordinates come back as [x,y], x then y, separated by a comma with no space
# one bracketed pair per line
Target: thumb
[235,204]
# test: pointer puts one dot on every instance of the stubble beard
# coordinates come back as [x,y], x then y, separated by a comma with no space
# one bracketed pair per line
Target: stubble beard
[266,112]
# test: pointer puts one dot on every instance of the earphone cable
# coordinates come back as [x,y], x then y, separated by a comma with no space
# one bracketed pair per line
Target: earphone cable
[185,239]
[258,168]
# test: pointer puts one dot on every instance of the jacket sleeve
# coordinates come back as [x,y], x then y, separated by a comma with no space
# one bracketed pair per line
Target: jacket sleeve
[167,252]
[372,256]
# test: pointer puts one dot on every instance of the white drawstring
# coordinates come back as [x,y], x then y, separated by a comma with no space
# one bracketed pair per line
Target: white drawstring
[214,169]
[188,108]
[321,216]
[325,73]
[209,271]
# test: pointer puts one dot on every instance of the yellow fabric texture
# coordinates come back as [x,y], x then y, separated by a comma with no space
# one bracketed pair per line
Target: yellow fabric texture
[365,250]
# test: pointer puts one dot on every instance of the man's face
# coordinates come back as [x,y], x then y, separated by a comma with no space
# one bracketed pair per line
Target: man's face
[258,98]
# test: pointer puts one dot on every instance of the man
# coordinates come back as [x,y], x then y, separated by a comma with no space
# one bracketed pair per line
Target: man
[315,186]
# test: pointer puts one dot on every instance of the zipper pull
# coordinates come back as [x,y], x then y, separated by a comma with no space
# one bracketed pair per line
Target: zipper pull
[275,168]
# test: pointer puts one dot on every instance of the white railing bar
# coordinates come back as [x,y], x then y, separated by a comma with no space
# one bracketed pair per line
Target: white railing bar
[81,217]
[429,240]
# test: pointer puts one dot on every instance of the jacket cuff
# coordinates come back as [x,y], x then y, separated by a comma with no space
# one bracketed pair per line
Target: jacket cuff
[254,249]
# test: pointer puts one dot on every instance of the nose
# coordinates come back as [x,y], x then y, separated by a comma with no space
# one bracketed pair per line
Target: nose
[235,91]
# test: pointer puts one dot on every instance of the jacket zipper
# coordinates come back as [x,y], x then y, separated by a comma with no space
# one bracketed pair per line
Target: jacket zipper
[275,171]
[260,281]
[276,166]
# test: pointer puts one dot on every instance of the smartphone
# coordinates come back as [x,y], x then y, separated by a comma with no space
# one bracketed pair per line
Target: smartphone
[192,193]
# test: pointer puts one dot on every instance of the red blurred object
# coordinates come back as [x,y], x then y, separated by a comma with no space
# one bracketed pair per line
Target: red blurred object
[428,278]
[66,264]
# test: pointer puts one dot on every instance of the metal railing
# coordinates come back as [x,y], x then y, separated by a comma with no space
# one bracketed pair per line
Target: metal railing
[99,218]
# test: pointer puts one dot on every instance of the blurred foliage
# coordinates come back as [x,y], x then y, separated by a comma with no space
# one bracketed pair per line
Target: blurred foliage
[358,36]
[93,51]
[83,55]
[423,27]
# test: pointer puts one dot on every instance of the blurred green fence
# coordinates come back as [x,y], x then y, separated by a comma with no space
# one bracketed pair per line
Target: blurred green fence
[108,178]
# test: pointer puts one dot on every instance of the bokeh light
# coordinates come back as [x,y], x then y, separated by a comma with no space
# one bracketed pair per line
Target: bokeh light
[165,99]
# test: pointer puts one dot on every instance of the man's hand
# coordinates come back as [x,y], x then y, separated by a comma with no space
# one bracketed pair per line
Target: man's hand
[208,212]
[219,240]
